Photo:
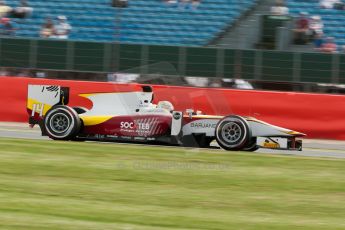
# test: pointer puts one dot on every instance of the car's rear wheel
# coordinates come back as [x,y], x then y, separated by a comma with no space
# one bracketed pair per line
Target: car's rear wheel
[232,133]
[62,123]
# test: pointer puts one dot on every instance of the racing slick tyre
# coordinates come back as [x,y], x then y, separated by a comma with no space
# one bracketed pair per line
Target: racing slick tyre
[62,123]
[251,146]
[233,133]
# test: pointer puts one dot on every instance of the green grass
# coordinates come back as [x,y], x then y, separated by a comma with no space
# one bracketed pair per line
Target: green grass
[65,185]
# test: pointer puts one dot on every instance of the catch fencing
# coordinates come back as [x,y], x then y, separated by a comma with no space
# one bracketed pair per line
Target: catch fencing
[278,66]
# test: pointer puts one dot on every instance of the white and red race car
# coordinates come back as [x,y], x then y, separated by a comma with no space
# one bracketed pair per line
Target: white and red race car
[131,116]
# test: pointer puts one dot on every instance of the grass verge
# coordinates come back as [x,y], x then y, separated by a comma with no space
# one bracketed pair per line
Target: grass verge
[66,185]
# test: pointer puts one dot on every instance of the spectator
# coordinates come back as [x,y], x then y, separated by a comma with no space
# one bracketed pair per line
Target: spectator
[63,28]
[7,28]
[302,29]
[279,8]
[329,46]
[22,11]
[120,3]
[328,4]
[318,42]
[316,26]
[4,9]
[184,4]
[47,29]
[339,5]
[170,2]
[195,4]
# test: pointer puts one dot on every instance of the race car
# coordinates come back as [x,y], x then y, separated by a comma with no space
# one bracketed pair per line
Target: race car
[131,116]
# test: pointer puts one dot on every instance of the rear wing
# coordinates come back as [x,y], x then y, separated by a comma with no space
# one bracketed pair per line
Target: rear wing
[41,98]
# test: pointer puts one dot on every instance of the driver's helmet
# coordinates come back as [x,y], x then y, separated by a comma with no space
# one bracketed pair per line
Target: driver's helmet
[165,105]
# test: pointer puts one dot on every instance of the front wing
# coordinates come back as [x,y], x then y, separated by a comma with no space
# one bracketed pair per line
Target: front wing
[281,143]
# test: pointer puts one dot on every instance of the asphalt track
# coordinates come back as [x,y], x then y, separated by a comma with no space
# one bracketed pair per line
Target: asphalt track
[311,148]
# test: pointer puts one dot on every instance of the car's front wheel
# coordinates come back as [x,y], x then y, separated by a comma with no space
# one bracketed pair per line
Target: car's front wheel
[233,133]
[62,123]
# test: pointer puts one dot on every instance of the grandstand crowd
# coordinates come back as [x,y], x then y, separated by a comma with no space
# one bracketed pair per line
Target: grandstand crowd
[317,22]
[309,27]
[166,22]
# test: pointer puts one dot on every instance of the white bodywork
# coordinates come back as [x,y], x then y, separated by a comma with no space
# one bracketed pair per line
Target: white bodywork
[122,104]
[131,103]
[206,126]
[46,94]
[263,129]
[42,97]
[258,128]
[117,103]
